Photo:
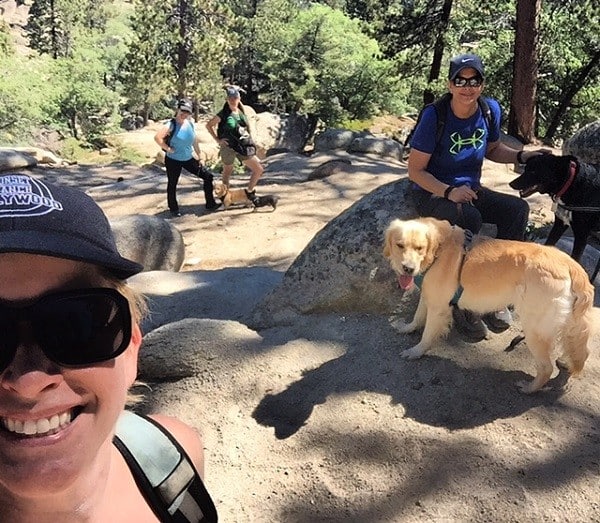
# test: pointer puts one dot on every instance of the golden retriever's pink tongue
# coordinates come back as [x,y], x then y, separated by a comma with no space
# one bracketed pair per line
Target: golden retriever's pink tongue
[405,281]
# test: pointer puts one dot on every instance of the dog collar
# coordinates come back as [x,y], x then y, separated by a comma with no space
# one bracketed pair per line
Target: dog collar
[572,170]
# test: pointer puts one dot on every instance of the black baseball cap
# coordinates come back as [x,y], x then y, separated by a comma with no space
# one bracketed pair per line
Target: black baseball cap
[464,61]
[37,217]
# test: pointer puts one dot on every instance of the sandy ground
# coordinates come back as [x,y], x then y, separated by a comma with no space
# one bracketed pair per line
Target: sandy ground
[322,421]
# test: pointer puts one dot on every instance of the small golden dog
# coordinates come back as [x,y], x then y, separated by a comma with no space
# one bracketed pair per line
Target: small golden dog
[231,197]
[551,292]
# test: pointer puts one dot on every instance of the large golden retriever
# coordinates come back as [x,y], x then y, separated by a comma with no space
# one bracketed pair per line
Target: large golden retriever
[551,293]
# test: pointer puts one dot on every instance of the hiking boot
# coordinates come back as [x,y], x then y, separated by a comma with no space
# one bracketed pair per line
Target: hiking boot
[498,321]
[175,214]
[468,325]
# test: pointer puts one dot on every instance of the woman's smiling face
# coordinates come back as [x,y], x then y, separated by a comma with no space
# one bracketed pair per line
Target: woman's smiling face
[56,423]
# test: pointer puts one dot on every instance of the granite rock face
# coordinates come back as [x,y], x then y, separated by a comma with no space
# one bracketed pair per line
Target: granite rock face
[585,143]
[342,269]
[151,241]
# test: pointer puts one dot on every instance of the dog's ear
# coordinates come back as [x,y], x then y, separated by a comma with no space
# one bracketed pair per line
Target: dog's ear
[435,234]
[389,234]
[387,248]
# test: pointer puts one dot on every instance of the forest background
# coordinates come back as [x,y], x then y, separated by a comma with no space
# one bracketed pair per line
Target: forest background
[90,66]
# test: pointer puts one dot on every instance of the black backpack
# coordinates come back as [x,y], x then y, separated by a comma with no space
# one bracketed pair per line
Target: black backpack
[441,106]
[168,137]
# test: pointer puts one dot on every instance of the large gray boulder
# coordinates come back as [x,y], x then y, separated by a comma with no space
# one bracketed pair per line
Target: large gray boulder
[195,347]
[385,147]
[585,143]
[151,241]
[285,133]
[12,159]
[342,269]
[331,139]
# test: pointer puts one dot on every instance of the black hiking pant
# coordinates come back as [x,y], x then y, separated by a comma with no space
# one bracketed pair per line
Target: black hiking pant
[509,213]
[194,167]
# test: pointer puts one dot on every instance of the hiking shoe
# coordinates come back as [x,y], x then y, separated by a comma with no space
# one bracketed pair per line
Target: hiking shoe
[468,325]
[498,321]
[175,214]
[213,206]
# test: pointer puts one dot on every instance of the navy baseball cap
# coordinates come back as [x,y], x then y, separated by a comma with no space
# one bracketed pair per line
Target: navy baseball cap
[37,217]
[464,61]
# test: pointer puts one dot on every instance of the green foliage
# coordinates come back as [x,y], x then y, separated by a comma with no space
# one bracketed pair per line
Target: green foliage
[74,151]
[6,45]
[315,67]
[27,96]
[87,105]
[344,61]
[177,49]
[52,23]
[356,125]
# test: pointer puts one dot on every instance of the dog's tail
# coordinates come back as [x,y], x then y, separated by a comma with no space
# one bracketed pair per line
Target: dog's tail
[577,329]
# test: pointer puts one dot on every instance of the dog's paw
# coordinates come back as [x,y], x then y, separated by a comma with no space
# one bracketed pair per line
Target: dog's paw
[529,387]
[404,328]
[413,353]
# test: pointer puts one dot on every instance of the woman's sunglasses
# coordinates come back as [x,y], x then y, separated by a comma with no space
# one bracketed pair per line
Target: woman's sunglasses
[473,81]
[73,329]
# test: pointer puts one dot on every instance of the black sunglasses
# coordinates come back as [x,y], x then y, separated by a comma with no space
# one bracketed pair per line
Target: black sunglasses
[73,329]
[473,81]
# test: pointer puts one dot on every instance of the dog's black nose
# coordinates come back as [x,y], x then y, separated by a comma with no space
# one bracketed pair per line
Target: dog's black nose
[408,269]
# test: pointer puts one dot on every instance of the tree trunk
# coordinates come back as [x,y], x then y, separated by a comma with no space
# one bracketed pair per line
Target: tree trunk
[521,118]
[182,52]
[569,92]
[438,52]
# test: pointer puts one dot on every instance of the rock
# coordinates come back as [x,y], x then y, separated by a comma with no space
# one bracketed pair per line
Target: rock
[333,139]
[151,241]
[342,269]
[193,347]
[226,294]
[42,156]
[13,159]
[328,168]
[384,147]
[585,143]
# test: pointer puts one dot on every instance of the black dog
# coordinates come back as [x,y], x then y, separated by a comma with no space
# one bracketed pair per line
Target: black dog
[574,187]
[267,199]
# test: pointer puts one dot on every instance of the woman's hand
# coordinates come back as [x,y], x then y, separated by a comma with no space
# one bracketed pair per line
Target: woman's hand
[462,194]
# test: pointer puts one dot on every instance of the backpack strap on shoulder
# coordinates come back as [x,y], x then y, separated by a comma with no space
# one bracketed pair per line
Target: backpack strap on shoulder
[484,106]
[172,127]
[163,471]
[441,106]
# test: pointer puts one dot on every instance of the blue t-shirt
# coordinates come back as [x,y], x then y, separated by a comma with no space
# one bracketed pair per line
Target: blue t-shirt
[182,141]
[458,158]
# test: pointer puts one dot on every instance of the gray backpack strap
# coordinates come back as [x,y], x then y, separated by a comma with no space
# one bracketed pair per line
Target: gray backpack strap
[163,471]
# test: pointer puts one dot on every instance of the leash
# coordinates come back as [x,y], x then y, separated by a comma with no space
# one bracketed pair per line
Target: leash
[578,209]
[467,245]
